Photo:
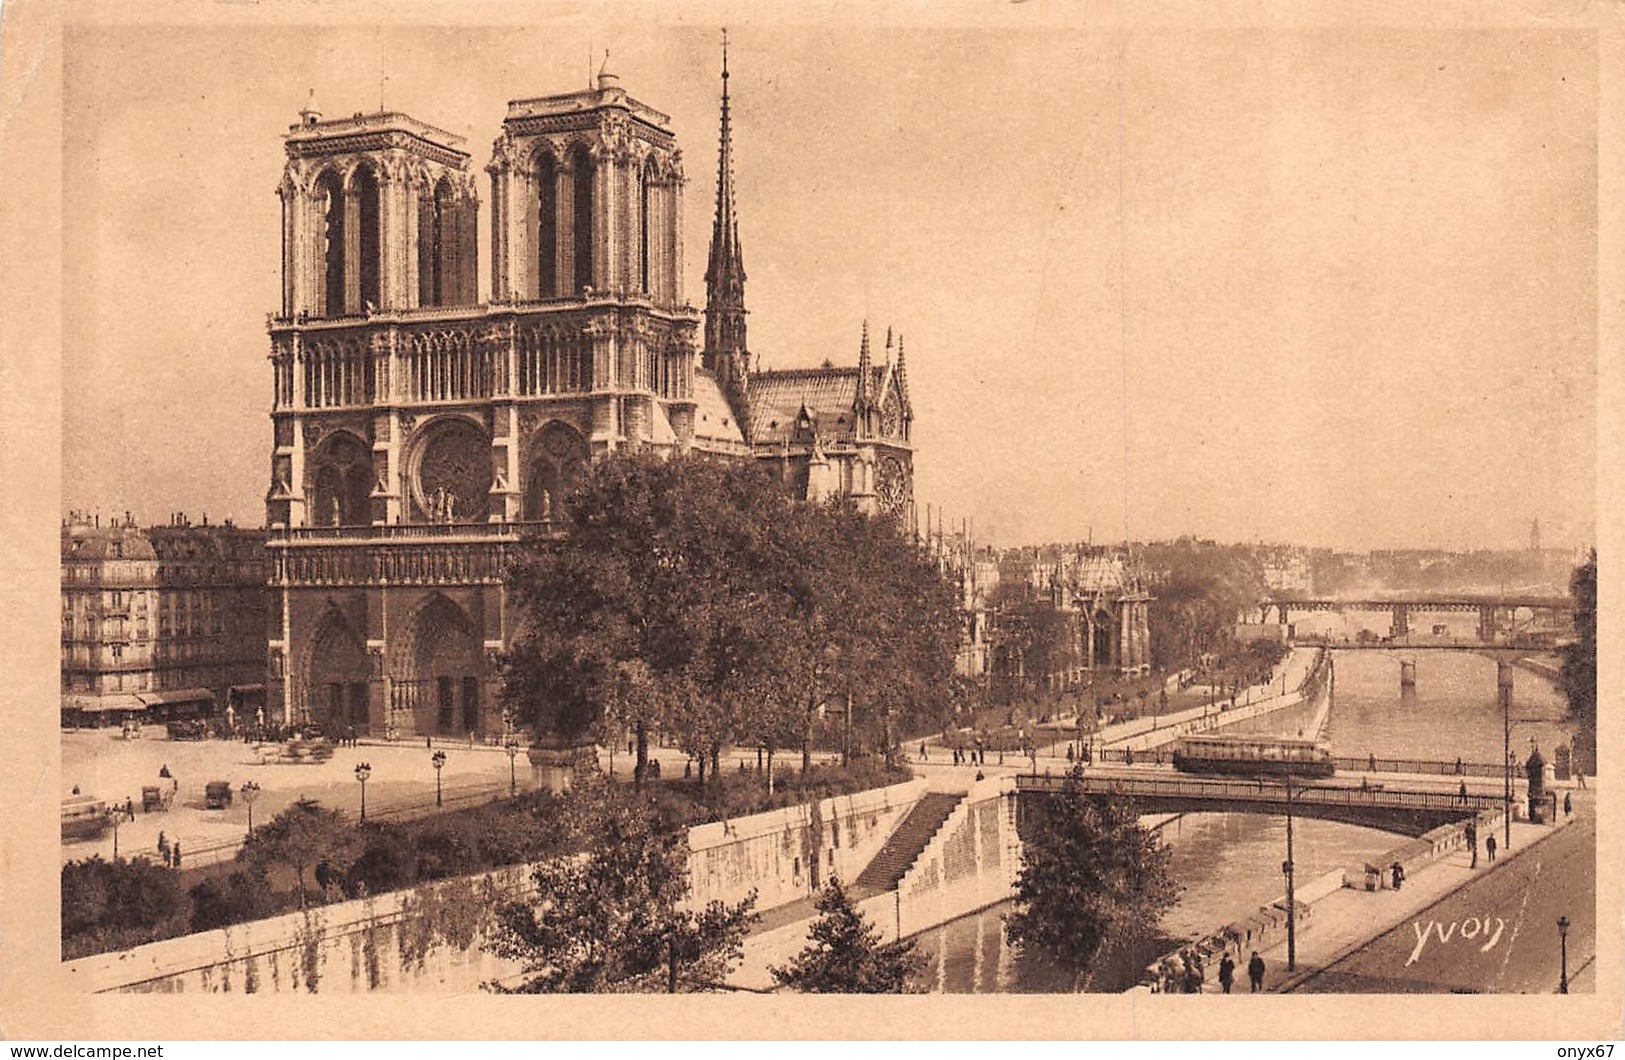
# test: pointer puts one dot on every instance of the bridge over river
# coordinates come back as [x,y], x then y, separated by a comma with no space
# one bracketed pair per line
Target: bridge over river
[1407,811]
[1495,612]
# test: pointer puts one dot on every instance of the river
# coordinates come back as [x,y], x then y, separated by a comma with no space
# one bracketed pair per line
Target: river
[1230,864]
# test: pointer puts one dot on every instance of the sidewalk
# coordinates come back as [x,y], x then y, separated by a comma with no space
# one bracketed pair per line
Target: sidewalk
[1349,918]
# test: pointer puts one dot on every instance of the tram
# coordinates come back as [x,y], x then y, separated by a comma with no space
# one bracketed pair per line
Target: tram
[1253,755]
[84,817]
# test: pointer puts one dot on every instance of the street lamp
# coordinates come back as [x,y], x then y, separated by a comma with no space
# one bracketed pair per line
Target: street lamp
[249,791]
[1563,940]
[511,745]
[115,817]
[1287,869]
[1503,688]
[439,761]
[363,770]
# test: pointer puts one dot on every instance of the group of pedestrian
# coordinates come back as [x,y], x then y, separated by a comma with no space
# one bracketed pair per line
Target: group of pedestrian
[169,853]
[348,738]
[971,756]
[1184,972]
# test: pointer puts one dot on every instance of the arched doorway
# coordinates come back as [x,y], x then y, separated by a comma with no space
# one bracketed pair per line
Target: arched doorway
[339,482]
[438,669]
[336,677]
[558,457]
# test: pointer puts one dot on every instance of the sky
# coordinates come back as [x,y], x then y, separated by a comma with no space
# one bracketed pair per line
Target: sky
[1335,287]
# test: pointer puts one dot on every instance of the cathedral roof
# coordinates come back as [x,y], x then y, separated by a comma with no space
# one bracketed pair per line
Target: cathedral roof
[829,394]
[714,419]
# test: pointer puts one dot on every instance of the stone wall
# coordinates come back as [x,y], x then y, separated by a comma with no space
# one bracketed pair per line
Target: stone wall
[378,943]
[970,864]
[788,854]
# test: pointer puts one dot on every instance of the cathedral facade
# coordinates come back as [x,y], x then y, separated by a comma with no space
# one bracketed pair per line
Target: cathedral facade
[419,432]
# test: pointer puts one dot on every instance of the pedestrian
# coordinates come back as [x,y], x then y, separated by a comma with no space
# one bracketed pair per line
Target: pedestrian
[163,847]
[129,808]
[1373,763]
[1581,779]
[1069,754]
[163,771]
[1170,976]
[1193,974]
[1489,846]
[1227,972]
[1472,842]
[980,775]
[175,853]
[1255,972]
[1397,871]
[923,756]
[1459,770]
[1461,793]
[1568,804]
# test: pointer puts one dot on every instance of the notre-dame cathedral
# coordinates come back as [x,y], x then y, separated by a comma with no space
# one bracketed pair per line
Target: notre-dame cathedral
[419,432]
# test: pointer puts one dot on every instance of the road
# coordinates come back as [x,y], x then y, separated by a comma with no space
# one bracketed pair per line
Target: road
[1496,935]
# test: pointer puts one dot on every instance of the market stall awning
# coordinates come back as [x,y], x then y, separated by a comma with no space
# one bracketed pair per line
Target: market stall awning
[176,695]
[97,704]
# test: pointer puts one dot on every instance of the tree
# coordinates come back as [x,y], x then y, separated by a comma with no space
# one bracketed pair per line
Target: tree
[299,837]
[1203,588]
[697,596]
[112,897]
[1091,878]
[1579,673]
[610,920]
[844,954]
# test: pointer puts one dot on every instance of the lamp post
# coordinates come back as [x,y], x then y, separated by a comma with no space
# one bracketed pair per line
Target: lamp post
[511,745]
[1563,941]
[115,817]
[1287,869]
[249,791]
[1503,688]
[438,759]
[363,770]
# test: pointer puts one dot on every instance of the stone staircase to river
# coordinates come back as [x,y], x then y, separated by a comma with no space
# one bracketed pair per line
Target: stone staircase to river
[906,844]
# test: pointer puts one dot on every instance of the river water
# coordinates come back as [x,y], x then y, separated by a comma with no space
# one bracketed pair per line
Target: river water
[1230,864]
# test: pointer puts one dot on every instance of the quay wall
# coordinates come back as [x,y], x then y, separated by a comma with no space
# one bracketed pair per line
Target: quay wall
[970,864]
[381,943]
[788,854]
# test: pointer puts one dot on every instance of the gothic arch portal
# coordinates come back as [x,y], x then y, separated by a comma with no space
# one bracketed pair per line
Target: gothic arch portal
[547,224]
[436,670]
[329,192]
[338,482]
[336,673]
[557,457]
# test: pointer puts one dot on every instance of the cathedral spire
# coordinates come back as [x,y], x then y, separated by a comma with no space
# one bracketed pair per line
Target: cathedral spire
[902,376]
[861,401]
[725,346]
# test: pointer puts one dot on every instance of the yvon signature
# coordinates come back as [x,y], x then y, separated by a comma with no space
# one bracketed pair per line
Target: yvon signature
[1470,928]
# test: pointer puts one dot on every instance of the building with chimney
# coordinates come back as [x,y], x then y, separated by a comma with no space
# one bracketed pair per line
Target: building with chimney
[163,622]
[419,432]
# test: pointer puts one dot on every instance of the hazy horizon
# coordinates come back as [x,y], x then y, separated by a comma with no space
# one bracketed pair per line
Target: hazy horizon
[1329,287]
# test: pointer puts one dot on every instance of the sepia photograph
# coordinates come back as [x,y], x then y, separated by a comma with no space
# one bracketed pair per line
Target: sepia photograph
[989,505]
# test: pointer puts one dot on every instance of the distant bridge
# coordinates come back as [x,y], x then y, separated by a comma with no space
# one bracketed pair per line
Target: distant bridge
[1406,812]
[1489,608]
